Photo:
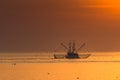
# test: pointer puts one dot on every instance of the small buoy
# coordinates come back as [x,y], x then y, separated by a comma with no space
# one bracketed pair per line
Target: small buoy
[48,73]
[77,77]
[14,63]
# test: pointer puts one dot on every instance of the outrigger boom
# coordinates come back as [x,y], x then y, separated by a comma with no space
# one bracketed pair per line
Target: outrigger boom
[72,54]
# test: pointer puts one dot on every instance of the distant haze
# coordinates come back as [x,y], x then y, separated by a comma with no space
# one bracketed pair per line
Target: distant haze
[41,25]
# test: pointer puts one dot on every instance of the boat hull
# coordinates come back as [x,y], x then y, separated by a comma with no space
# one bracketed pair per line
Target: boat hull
[84,56]
[80,56]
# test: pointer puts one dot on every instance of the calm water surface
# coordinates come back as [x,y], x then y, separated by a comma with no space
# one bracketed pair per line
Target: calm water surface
[97,67]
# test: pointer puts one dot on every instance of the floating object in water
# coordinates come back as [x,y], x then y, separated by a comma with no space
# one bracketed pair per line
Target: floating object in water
[14,64]
[77,77]
[48,73]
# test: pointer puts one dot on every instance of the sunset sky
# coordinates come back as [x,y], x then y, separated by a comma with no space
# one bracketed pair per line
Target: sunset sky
[41,25]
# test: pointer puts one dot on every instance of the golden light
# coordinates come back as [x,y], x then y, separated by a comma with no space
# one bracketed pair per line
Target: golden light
[113,6]
[109,6]
[111,2]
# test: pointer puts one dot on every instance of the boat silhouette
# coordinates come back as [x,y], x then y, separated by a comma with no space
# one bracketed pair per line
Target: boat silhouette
[71,52]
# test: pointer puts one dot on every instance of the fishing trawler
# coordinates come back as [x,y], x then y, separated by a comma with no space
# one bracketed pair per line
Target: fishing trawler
[71,52]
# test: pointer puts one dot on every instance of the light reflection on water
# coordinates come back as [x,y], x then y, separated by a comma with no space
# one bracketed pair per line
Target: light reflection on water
[97,67]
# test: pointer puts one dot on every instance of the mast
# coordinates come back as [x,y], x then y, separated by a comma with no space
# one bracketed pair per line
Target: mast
[70,48]
[73,47]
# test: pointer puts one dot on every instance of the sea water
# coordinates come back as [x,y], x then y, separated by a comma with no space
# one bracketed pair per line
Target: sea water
[38,66]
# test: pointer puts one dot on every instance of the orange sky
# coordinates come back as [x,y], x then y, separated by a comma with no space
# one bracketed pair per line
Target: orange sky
[35,25]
